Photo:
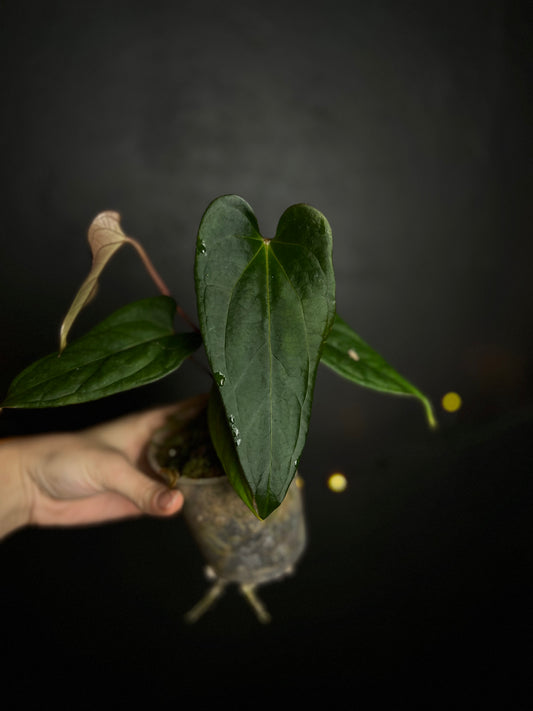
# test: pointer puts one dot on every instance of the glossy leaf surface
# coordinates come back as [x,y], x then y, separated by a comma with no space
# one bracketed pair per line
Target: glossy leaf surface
[134,346]
[222,438]
[265,307]
[348,355]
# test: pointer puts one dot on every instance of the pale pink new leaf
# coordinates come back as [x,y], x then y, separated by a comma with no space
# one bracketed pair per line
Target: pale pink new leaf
[105,238]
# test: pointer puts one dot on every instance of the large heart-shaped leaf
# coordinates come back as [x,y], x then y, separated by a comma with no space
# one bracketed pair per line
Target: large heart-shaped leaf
[134,346]
[348,355]
[265,307]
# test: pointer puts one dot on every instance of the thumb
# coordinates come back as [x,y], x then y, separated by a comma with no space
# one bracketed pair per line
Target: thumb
[165,502]
[149,496]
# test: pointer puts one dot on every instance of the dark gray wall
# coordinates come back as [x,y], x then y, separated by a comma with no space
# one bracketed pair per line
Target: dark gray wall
[407,124]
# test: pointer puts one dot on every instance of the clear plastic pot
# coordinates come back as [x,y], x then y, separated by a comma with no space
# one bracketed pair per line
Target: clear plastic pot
[237,547]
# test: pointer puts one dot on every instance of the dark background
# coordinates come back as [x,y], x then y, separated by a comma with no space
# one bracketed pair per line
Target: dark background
[406,124]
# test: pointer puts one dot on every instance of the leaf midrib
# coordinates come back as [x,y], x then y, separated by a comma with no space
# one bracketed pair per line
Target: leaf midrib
[266,247]
[304,321]
[101,359]
[72,393]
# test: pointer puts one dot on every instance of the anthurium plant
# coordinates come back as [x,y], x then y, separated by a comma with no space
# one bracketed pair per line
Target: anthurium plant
[266,318]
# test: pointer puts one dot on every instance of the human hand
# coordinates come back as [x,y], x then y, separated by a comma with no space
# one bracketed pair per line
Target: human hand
[86,477]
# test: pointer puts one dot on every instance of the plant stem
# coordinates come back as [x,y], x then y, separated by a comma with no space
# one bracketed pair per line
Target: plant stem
[159,282]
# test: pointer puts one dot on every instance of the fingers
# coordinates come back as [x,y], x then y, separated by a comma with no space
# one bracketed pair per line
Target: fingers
[131,433]
[150,498]
[168,501]
[100,508]
[111,472]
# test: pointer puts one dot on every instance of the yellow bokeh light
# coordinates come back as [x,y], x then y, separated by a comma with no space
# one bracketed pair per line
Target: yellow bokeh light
[337,482]
[451,402]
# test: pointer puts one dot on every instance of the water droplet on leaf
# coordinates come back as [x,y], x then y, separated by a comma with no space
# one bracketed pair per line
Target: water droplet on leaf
[220,378]
[202,249]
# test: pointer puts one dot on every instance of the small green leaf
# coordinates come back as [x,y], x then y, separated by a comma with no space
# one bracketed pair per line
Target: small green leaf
[134,346]
[265,307]
[224,443]
[348,355]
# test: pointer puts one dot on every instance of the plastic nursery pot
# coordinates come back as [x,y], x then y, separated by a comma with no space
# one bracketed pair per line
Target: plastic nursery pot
[237,547]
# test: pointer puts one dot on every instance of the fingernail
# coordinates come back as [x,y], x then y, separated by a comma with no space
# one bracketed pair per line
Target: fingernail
[168,498]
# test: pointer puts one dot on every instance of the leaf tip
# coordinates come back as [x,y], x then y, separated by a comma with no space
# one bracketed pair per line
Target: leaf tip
[430,415]
[107,220]
[266,505]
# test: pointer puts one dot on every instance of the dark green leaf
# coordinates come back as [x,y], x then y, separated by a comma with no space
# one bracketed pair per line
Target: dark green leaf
[222,438]
[134,346]
[348,355]
[265,307]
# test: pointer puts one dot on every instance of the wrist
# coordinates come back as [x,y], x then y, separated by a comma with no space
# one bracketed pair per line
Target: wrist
[14,502]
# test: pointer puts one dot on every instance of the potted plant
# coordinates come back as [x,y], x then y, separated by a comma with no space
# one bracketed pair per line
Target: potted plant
[266,319]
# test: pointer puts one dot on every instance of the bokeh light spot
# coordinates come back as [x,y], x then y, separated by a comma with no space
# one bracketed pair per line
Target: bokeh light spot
[451,402]
[337,482]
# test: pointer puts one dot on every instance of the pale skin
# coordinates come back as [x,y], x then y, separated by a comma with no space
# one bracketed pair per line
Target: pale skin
[81,478]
